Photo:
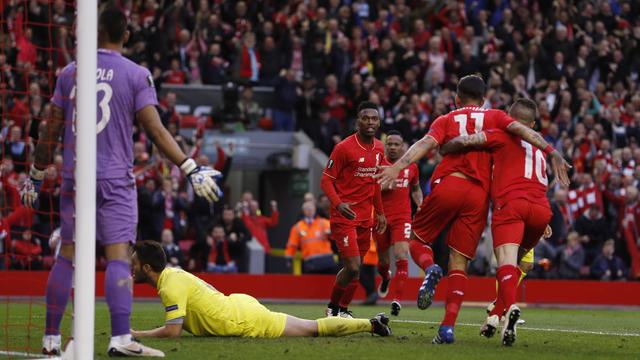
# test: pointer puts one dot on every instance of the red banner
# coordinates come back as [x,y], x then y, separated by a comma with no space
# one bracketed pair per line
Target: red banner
[317,287]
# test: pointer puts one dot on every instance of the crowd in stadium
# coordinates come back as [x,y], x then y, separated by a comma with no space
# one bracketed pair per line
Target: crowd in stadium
[579,60]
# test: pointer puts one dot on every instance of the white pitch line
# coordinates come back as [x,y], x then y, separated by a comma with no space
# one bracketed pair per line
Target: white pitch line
[523,327]
[24,354]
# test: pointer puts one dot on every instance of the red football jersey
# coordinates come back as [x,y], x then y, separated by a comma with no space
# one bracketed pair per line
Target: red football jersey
[465,121]
[519,169]
[352,166]
[397,202]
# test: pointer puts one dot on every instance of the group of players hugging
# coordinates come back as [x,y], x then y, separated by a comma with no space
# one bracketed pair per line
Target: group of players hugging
[489,157]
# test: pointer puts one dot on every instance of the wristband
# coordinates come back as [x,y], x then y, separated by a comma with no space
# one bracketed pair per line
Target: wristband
[549,149]
[188,166]
[35,173]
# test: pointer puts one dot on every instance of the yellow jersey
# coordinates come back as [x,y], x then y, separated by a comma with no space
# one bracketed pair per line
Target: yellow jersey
[206,311]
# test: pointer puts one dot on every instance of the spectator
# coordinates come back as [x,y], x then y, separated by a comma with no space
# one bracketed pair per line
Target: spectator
[608,266]
[311,236]
[214,67]
[562,219]
[234,227]
[327,132]
[258,224]
[324,206]
[17,149]
[286,97]
[594,229]
[250,110]
[335,101]
[150,220]
[571,258]
[248,59]
[171,249]
[175,75]
[26,252]
[220,260]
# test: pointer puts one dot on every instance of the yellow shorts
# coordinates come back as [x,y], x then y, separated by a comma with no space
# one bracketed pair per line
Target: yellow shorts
[528,257]
[258,320]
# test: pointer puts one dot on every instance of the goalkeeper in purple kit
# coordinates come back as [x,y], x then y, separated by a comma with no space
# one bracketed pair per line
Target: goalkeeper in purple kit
[125,94]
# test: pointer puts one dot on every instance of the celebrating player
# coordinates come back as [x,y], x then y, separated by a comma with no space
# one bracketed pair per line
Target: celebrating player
[397,210]
[197,307]
[460,194]
[348,183]
[125,92]
[521,210]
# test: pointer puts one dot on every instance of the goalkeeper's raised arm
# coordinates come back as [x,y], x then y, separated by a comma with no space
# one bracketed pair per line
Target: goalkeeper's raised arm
[200,177]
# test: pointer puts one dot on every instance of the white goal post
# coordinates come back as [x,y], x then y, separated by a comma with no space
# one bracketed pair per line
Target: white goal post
[85,179]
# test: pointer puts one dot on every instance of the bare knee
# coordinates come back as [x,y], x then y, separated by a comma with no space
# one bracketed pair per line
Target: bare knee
[401,250]
[119,251]
[457,261]
[67,251]
[352,268]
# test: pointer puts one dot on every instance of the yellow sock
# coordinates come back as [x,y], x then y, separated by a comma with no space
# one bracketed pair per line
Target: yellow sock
[338,326]
[522,276]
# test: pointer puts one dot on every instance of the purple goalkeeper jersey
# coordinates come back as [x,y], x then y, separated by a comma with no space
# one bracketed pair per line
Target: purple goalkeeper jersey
[124,88]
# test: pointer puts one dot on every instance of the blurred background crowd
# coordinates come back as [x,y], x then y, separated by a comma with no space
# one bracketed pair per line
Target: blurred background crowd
[580,61]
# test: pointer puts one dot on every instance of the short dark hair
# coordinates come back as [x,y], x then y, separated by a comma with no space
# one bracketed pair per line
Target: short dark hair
[394,132]
[367,105]
[113,23]
[471,87]
[526,105]
[150,252]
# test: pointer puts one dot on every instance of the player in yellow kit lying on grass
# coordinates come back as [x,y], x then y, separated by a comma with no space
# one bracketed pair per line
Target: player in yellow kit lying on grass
[197,307]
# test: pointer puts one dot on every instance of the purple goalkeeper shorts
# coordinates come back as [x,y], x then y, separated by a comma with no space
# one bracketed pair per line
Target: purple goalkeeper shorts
[116,209]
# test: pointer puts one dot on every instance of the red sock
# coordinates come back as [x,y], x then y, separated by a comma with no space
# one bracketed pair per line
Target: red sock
[456,286]
[498,309]
[508,276]
[421,254]
[347,296]
[383,270]
[402,273]
[336,294]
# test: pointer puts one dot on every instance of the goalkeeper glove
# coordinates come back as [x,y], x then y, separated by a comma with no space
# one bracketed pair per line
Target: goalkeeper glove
[203,180]
[31,187]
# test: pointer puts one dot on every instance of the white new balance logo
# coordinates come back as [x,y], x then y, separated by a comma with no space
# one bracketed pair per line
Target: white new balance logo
[361,160]
[506,277]
[458,292]
[345,241]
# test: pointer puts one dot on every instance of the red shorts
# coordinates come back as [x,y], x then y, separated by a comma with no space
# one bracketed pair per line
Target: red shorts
[519,222]
[397,230]
[352,239]
[458,202]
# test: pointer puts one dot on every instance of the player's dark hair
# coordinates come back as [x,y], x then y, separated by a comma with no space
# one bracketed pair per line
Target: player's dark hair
[113,24]
[527,104]
[150,252]
[394,132]
[471,87]
[367,105]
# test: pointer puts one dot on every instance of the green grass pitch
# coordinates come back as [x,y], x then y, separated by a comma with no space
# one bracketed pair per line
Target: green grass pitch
[548,334]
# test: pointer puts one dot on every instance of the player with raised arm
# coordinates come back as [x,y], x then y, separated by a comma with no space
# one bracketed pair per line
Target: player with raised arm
[125,93]
[397,210]
[348,183]
[521,210]
[197,307]
[459,198]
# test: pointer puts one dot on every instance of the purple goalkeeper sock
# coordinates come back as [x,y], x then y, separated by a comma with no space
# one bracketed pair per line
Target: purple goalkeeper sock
[58,292]
[118,291]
